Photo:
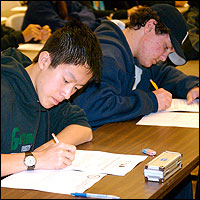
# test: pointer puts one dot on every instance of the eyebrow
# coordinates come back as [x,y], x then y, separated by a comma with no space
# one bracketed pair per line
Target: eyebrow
[73,77]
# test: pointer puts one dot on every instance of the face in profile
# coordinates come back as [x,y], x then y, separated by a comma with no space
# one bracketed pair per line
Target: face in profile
[153,47]
[56,85]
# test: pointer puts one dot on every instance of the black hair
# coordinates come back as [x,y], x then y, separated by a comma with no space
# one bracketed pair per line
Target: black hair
[142,15]
[76,44]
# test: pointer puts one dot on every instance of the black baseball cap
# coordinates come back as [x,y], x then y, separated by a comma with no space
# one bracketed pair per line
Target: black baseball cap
[175,21]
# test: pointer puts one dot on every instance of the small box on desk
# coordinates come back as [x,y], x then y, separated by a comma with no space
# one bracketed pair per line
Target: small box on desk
[163,166]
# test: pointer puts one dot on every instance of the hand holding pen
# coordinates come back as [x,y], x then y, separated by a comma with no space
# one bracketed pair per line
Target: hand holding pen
[164,97]
[54,156]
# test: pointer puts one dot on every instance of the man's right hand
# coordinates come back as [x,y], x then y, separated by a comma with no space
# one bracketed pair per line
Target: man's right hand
[164,98]
[55,156]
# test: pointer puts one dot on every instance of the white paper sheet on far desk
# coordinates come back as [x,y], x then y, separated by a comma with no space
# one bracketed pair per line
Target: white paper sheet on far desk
[30,47]
[179,119]
[104,162]
[56,181]
[165,118]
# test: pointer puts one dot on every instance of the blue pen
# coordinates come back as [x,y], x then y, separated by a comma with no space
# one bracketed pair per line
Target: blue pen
[98,196]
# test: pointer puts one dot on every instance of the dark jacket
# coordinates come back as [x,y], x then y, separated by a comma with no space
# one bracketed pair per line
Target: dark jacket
[46,13]
[117,8]
[114,100]
[25,124]
[10,37]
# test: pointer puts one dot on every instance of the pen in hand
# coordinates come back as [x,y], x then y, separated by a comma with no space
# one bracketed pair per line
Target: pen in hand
[55,138]
[154,84]
[97,196]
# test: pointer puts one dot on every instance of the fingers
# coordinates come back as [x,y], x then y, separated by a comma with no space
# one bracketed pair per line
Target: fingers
[55,156]
[65,154]
[192,94]
[164,98]
[36,32]
[46,32]
[32,32]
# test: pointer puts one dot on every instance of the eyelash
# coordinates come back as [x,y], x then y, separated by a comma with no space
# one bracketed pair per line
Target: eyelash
[68,82]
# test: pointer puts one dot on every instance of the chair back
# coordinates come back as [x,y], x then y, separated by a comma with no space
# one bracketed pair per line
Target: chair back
[15,21]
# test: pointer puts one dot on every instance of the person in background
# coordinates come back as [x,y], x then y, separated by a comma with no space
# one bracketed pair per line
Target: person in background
[110,9]
[191,45]
[56,14]
[12,38]
[121,9]
[34,100]
[130,59]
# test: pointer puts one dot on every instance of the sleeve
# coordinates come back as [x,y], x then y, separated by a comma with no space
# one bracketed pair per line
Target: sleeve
[83,13]
[43,13]
[67,114]
[114,100]
[173,80]
[7,99]
[193,25]
[10,37]
[119,14]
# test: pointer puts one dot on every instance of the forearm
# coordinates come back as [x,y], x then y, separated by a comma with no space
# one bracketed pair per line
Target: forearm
[12,163]
[12,40]
[72,134]
[56,156]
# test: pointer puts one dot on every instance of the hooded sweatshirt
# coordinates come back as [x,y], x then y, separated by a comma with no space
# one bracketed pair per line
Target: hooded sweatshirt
[25,123]
[125,91]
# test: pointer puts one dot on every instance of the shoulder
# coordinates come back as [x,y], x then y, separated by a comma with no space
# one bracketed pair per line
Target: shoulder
[7,92]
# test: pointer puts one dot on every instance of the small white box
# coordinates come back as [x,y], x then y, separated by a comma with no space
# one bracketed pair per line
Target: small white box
[163,166]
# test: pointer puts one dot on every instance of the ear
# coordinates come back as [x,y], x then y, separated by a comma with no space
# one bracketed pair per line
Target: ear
[44,60]
[150,26]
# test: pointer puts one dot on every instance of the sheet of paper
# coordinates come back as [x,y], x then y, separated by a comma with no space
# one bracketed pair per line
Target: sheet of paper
[178,119]
[181,105]
[30,47]
[56,181]
[19,8]
[104,162]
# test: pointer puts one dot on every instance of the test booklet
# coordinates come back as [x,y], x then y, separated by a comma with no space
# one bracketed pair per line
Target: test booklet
[87,168]
[56,181]
[179,115]
[104,162]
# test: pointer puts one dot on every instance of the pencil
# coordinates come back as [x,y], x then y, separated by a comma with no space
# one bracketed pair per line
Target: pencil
[55,138]
[154,84]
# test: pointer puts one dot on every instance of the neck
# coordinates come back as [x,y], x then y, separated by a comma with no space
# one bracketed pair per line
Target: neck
[33,71]
[133,38]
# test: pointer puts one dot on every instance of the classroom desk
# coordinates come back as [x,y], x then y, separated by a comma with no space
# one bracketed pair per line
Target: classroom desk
[127,138]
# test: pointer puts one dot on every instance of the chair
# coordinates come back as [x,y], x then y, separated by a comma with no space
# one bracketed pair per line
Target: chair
[15,21]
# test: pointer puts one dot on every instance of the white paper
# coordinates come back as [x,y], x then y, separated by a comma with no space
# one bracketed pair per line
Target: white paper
[19,8]
[30,47]
[178,119]
[69,180]
[104,162]
[181,105]
[56,181]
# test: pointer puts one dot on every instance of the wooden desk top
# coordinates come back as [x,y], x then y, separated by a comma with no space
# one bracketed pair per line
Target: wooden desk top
[127,138]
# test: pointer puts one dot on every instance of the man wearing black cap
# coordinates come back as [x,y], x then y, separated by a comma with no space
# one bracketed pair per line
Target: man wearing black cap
[130,59]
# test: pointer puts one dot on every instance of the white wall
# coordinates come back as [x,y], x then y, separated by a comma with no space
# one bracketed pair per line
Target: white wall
[6,6]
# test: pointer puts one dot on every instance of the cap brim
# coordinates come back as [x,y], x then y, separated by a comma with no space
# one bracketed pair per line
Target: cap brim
[177,57]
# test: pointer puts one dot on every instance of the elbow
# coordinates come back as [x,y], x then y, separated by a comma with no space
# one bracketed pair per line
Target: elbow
[90,135]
